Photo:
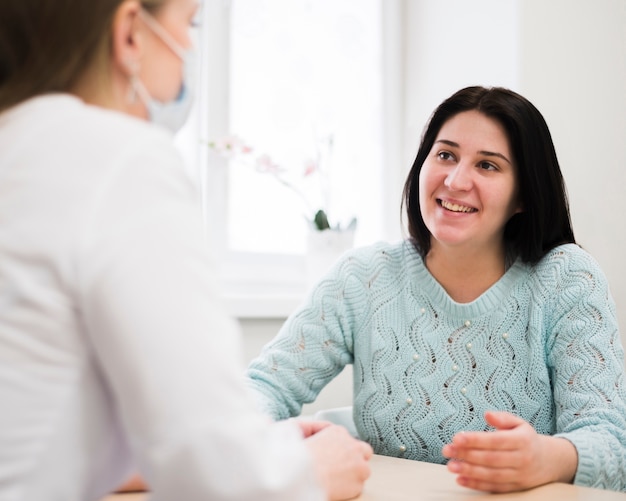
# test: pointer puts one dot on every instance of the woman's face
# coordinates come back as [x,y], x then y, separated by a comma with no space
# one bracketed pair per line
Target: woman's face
[161,69]
[467,184]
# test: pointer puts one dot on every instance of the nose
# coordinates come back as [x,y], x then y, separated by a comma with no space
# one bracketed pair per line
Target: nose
[459,178]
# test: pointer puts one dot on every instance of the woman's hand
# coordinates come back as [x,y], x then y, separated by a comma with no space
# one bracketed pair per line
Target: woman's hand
[310,427]
[133,484]
[513,457]
[341,461]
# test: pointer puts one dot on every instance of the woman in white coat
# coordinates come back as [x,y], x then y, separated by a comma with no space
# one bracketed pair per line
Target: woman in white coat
[115,354]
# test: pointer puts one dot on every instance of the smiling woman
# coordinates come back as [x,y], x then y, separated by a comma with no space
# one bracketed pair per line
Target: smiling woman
[468,192]
[474,341]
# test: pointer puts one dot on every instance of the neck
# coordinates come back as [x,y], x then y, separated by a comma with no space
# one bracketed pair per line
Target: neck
[464,273]
[111,91]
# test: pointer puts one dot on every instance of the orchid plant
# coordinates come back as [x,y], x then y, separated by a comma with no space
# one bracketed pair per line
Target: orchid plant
[234,148]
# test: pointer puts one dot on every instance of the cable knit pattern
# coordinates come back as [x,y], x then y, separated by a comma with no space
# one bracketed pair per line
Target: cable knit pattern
[542,343]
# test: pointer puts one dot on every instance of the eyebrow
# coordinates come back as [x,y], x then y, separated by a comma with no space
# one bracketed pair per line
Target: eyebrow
[482,152]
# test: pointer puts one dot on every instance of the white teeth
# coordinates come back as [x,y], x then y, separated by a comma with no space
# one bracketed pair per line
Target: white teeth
[456,207]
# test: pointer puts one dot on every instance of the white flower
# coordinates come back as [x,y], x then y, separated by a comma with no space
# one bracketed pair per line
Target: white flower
[233,147]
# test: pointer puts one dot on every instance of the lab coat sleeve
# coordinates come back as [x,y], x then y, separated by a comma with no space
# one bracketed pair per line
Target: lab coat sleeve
[167,349]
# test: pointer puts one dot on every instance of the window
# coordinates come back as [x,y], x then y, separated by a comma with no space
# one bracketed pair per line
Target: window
[291,77]
[304,79]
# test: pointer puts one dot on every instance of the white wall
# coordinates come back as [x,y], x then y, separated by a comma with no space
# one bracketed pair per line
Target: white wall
[569,58]
[451,44]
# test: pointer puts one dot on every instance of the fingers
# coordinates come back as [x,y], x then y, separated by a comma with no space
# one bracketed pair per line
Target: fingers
[543,459]
[507,459]
[341,462]
[480,457]
[368,452]
[488,479]
[503,420]
[462,443]
[309,428]
[488,485]
[512,433]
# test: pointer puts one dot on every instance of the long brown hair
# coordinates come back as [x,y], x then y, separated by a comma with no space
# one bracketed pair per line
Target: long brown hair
[46,45]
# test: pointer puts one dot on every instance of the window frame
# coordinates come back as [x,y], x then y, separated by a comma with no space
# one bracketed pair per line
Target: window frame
[271,285]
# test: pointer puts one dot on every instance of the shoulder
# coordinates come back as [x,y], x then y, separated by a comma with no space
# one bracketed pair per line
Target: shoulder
[63,124]
[85,143]
[570,272]
[382,262]
[120,146]
[123,133]
[380,254]
[67,113]
[113,160]
[566,259]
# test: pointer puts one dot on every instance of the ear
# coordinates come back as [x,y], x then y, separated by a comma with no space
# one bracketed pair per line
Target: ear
[127,45]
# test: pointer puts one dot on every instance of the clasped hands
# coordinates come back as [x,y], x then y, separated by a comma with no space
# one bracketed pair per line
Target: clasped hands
[514,457]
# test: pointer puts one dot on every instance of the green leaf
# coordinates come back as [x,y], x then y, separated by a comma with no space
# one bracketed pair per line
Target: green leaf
[320,220]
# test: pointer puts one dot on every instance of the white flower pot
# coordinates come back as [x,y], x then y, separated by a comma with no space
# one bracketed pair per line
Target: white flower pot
[323,249]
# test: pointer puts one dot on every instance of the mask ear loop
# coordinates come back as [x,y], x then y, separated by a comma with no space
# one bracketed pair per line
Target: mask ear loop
[133,68]
[162,33]
[137,88]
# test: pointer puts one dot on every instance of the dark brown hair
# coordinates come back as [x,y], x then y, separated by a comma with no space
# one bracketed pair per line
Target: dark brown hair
[545,221]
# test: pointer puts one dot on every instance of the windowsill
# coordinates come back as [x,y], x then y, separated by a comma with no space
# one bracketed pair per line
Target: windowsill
[244,306]
[262,285]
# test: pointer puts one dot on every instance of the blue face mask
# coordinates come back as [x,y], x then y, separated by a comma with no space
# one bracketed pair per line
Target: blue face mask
[172,114]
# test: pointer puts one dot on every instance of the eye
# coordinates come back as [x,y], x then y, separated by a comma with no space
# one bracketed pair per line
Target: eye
[445,155]
[487,166]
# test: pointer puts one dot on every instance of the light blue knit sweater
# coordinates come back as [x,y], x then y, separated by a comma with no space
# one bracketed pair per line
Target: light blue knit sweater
[542,343]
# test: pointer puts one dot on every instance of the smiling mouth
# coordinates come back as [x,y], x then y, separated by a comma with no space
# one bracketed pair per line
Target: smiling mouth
[456,207]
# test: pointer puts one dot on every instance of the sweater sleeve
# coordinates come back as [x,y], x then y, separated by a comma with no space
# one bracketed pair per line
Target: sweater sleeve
[586,358]
[312,347]
[166,349]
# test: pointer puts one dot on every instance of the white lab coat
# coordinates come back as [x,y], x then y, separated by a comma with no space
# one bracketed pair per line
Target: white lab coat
[115,350]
